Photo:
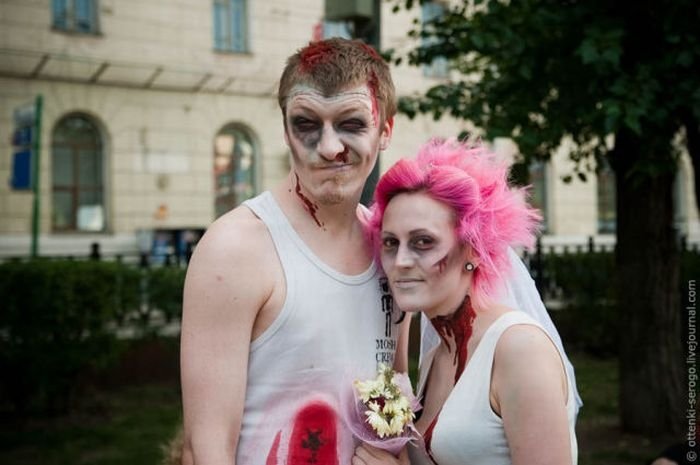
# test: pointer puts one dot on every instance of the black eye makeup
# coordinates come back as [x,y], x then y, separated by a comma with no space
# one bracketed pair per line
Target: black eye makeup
[353,125]
[389,243]
[303,124]
[422,242]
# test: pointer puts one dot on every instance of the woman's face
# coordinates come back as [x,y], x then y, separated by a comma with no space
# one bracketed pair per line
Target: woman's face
[421,256]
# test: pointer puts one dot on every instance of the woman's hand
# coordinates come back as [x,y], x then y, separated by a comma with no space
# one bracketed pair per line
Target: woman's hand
[368,455]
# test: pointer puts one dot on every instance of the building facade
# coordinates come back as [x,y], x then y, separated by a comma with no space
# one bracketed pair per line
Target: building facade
[159,116]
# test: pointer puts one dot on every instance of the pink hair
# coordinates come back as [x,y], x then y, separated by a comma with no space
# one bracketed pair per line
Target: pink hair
[490,216]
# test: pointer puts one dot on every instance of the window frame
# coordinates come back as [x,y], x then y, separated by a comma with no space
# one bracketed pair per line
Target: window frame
[76,187]
[231,26]
[246,133]
[70,24]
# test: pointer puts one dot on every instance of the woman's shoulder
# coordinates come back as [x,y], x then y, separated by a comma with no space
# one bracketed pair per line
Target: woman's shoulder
[523,338]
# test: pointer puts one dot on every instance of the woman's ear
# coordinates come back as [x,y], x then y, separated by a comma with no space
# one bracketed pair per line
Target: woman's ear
[470,257]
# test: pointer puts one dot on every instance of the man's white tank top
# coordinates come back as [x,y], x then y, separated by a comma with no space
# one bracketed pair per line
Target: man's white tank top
[332,329]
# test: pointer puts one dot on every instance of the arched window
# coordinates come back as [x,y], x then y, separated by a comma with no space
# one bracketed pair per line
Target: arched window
[77,176]
[607,211]
[234,168]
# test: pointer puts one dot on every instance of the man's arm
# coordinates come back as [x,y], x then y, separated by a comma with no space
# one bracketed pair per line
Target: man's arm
[223,294]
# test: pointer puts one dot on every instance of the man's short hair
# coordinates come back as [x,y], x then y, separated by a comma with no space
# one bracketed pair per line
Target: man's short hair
[333,65]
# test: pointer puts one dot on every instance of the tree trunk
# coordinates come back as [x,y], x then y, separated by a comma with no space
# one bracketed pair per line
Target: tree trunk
[692,132]
[647,258]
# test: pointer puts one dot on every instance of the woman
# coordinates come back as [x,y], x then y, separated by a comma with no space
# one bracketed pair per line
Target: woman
[495,389]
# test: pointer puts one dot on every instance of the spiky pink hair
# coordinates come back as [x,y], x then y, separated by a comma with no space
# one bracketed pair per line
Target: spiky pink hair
[490,215]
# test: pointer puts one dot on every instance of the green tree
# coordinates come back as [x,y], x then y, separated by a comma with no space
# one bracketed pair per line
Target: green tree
[621,80]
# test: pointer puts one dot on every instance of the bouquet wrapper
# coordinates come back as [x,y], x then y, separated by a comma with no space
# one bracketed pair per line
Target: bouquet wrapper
[353,413]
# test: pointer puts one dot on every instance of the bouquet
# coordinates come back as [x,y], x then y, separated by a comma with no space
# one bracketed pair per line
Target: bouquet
[381,410]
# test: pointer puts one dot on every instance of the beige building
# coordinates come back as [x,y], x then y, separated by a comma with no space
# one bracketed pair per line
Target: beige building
[158,116]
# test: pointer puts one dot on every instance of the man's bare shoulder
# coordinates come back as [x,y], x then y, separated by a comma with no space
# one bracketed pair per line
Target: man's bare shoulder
[237,234]
[233,266]
[236,247]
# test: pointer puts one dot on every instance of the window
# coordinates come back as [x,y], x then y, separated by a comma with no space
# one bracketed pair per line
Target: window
[537,175]
[341,29]
[75,16]
[439,67]
[607,212]
[231,25]
[77,176]
[234,168]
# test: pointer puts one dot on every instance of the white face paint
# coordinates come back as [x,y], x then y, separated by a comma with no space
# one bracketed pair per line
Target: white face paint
[334,141]
[421,256]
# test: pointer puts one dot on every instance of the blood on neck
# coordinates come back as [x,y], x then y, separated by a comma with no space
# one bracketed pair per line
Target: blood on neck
[456,329]
[310,207]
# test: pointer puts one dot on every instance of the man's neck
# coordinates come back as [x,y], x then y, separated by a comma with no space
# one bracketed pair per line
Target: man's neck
[301,208]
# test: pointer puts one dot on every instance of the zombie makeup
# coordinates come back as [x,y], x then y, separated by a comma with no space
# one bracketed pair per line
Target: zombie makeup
[308,204]
[455,331]
[421,256]
[333,140]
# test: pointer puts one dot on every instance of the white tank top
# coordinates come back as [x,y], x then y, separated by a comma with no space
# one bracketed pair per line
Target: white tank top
[468,431]
[332,328]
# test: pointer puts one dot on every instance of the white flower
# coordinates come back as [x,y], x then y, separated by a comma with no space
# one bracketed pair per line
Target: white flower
[389,410]
[378,423]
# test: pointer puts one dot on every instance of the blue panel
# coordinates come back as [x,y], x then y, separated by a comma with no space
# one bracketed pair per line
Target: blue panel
[60,14]
[22,137]
[220,27]
[85,18]
[22,170]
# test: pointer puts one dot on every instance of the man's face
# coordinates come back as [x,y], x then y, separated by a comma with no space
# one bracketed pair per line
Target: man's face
[334,140]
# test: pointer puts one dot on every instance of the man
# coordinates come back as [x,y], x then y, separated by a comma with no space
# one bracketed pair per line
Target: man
[282,305]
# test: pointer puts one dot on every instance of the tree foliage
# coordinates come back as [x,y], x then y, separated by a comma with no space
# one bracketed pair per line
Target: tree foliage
[540,71]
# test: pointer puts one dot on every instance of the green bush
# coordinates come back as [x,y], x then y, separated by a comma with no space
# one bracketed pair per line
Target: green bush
[589,319]
[58,321]
[165,291]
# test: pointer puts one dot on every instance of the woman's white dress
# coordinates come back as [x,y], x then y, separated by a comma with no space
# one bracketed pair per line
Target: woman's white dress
[468,431]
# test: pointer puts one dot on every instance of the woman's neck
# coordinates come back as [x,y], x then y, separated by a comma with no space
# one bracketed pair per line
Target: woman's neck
[455,330]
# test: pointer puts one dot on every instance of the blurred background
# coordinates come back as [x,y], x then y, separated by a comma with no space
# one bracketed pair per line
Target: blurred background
[127,127]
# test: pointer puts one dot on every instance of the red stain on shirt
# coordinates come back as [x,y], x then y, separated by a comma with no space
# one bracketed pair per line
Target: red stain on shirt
[272,455]
[314,436]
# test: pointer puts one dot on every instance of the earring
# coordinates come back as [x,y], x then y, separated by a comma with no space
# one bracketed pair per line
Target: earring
[469,266]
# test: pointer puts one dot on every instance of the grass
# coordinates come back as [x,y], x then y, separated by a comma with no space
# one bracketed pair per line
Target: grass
[600,439]
[129,426]
[125,426]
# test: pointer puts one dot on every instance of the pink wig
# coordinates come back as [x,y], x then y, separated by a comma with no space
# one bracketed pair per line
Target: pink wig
[490,216]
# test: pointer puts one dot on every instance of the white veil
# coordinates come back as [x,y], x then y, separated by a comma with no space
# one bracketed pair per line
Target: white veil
[520,293]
